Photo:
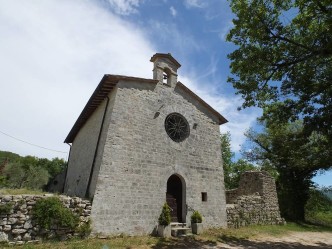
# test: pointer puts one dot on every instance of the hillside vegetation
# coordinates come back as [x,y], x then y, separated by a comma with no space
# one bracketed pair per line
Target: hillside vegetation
[29,172]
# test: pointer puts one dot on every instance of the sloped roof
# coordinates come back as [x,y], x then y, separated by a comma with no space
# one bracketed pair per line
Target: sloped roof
[106,85]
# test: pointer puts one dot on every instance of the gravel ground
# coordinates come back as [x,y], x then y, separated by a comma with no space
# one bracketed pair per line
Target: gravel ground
[294,240]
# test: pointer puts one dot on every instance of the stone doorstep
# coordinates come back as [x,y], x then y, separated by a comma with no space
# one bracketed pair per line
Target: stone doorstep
[179,231]
[178,224]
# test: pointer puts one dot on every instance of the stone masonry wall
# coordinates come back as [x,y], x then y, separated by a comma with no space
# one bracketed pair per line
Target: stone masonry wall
[254,202]
[139,157]
[18,225]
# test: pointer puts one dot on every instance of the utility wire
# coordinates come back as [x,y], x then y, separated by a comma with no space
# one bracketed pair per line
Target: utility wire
[32,144]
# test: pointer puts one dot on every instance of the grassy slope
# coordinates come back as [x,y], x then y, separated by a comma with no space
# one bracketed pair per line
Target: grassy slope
[20,191]
[209,238]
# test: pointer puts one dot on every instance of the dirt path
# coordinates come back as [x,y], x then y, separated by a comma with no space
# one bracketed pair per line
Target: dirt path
[294,240]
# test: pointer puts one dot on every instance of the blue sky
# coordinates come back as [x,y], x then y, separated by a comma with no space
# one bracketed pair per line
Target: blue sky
[54,53]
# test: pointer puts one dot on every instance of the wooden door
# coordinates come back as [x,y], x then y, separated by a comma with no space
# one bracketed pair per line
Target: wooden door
[171,202]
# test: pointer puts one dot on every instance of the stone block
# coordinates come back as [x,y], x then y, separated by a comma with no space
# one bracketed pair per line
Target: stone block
[3,237]
[18,231]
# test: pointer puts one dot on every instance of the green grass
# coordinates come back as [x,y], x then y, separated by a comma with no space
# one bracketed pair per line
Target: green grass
[232,234]
[209,238]
[114,242]
[321,218]
[20,191]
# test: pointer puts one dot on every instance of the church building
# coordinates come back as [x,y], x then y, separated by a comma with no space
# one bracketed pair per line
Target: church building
[139,143]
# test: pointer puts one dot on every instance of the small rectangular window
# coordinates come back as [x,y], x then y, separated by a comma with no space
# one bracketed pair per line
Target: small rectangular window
[204,196]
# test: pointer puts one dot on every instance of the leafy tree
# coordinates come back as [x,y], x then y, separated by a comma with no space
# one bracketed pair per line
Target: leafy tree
[26,173]
[295,156]
[232,170]
[227,155]
[283,60]
[54,166]
[8,156]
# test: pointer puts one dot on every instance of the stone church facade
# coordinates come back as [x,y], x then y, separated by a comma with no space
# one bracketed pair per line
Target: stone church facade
[139,143]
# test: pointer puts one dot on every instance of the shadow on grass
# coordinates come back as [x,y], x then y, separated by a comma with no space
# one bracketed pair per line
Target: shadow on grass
[273,244]
[319,226]
[183,242]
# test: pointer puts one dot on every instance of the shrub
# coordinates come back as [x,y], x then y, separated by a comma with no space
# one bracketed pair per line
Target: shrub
[6,208]
[165,216]
[51,212]
[84,229]
[319,207]
[196,217]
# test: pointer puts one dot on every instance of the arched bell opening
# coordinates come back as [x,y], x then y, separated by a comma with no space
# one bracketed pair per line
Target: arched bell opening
[167,74]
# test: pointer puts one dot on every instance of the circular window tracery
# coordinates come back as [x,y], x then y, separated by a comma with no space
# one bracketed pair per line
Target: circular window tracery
[177,127]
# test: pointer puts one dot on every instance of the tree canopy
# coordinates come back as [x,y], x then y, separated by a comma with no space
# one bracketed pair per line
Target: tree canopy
[283,60]
[28,172]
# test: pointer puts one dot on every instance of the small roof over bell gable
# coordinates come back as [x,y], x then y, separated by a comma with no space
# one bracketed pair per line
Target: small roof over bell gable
[167,56]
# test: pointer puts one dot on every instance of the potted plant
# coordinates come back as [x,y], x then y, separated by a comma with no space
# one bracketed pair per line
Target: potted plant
[196,223]
[164,221]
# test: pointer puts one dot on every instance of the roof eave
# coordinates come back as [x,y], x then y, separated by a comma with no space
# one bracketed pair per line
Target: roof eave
[220,117]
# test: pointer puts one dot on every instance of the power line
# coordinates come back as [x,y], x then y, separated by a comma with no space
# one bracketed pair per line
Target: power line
[32,144]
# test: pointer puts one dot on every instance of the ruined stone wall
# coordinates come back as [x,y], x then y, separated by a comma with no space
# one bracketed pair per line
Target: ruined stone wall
[18,225]
[254,202]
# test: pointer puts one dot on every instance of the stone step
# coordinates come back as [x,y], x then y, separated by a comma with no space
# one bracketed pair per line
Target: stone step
[180,231]
[178,224]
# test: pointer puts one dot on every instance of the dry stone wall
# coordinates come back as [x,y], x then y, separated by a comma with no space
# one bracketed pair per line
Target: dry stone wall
[254,202]
[18,225]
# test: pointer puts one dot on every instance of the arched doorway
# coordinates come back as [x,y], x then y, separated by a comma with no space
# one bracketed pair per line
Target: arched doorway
[175,198]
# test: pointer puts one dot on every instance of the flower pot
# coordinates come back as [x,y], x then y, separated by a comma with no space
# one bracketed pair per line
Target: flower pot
[197,228]
[164,231]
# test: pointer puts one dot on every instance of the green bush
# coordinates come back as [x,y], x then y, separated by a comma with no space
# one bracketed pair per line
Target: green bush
[165,216]
[196,217]
[84,229]
[6,208]
[318,208]
[51,212]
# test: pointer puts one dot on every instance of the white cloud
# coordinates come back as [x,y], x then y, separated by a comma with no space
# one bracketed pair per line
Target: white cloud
[238,121]
[195,4]
[178,38]
[53,54]
[124,7]
[173,11]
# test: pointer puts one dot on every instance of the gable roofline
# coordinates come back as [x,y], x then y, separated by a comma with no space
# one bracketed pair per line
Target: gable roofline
[220,117]
[106,85]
